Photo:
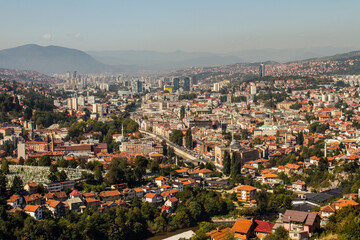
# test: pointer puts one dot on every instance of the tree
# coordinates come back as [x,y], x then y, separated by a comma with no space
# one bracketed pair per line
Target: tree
[257,141]
[181,220]
[323,164]
[280,234]
[195,210]
[182,112]
[53,168]
[177,137]
[62,176]
[45,161]
[300,138]
[17,185]
[116,172]
[235,165]
[21,161]
[244,134]
[160,224]
[4,166]
[204,227]
[226,163]
[98,175]
[30,162]
[188,139]
[3,183]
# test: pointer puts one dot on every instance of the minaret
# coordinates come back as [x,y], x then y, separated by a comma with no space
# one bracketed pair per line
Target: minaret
[325,150]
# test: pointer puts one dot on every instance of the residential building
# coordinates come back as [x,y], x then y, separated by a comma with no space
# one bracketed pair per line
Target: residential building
[246,193]
[34,211]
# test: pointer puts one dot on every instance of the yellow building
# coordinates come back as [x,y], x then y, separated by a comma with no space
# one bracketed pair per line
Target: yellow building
[168,88]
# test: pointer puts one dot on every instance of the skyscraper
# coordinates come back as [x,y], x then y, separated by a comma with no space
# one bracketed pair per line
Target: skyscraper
[187,85]
[136,86]
[176,84]
[262,70]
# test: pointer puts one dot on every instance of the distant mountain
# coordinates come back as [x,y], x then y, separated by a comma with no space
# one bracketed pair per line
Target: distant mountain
[55,59]
[152,60]
[50,59]
[287,55]
[337,57]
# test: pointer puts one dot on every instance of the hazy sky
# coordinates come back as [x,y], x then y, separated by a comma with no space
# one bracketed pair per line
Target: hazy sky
[169,25]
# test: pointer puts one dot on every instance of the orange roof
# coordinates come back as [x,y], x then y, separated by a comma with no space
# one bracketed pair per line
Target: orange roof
[242,226]
[218,234]
[345,202]
[161,178]
[109,193]
[270,175]
[138,190]
[32,184]
[150,195]
[292,166]
[31,208]
[52,203]
[247,188]
[205,170]
[165,186]
[299,182]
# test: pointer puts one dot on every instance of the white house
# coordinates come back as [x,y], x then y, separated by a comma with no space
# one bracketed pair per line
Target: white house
[34,211]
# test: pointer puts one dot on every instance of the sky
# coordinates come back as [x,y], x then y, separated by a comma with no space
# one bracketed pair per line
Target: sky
[220,26]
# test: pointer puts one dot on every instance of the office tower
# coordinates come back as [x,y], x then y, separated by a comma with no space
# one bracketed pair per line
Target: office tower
[176,84]
[187,85]
[193,80]
[262,70]
[136,86]
[216,87]
[253,89]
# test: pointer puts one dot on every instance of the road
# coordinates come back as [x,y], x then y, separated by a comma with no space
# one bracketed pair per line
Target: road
[178,151]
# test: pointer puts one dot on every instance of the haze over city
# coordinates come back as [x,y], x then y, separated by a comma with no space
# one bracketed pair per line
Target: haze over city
[192,26]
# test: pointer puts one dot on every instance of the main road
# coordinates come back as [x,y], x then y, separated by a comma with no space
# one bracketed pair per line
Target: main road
[178,151]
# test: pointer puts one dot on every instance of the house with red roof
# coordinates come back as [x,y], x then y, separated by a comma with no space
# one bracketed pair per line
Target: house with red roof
[33,199]
[151,197]
[243,229]
[35,211]
[299,186]
[57,208]
[31,188]
[205,173]
[161,181]
[15,201]
[171,202]
[75,193]
[263,228]
[110,195]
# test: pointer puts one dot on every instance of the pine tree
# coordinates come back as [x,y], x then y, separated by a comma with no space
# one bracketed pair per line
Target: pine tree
[182,112]
[300,138]
[188,139]
[4,166]
[235,165]
[226,163]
